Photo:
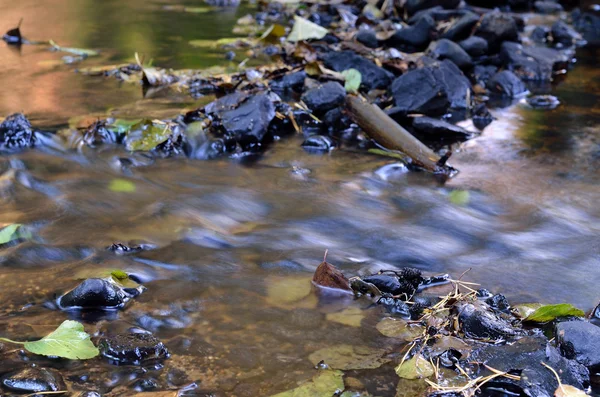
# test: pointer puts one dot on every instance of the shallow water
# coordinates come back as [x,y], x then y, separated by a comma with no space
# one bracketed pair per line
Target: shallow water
[228,287]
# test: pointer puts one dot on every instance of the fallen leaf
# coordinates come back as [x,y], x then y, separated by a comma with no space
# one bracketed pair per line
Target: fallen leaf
[569,391]
[351,316]
[293,291]
[329,276]
[305,30]
[415,368]
[550,312]
[121,186]
[325,384]
[398,328]
[459,197]
[9,233]
[525,309]
[347,357]
[69,340]
[273,34]
[146,135]
[353,78]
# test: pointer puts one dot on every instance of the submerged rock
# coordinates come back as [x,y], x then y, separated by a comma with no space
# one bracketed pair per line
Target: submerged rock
[432,90]
[325,97]
[496,27]
[475,46]
[34,380]
[415,37]
[533,63]
[579,340]
[372,76]
[94,293]
[133,348]
[318,143]
[588,24]
[481,116]
[505,83]
[16,133]
[98,133]
[546,102]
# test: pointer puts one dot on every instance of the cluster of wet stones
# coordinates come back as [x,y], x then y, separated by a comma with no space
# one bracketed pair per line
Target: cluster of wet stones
[95,298]
[492,334]
[442,62]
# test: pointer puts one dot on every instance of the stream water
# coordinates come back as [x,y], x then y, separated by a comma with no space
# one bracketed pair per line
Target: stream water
[236,243]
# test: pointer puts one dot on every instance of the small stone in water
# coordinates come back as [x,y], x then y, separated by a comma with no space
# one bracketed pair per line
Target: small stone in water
[318,143]
[134,348]
[94,293]
[34,380]
[547,102]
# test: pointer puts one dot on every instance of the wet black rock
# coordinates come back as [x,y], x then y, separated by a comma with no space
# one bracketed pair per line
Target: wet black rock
[475,46]
[446,49]
[481,74]
[94,293]
[481,116]
[289,82]
[523,358]
[396,307]
[336,120]
[507,84]
[496,27]
[367,37]
[547,7]
[479,323]
[34,380]
[564,35]
[133,348]
[98,133]
[412,6]
[227,102]
[146,385]
[533,63]
[249,122]
[432,90]
[318,143]
[372,76]
[123,249]
[386,283]
[415,37]
[462,27]
[540,34]
[588,24]
[325,97]
[579,340]
[16,133]
[545,102]
[433,129]
[498,302]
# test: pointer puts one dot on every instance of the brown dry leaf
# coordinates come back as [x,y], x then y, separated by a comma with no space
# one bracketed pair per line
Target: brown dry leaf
[305,52]
[329,276]
[569,391]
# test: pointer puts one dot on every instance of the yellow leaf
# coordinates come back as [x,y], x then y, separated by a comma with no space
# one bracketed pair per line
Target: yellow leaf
[569,391]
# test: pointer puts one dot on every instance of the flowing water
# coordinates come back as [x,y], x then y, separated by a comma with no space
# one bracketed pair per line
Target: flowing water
[236,243]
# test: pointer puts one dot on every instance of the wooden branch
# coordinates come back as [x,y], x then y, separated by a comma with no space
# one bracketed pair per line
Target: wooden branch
[391,135]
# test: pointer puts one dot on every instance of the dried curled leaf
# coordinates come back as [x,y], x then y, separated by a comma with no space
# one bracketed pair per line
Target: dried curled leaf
[569,391]
[329,276]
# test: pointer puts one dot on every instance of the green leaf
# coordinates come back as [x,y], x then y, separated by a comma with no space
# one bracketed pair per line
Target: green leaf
[75,51]
[9,233]
[415,368]
[389,153]
[550,312]
[119,274]
[397,328]
[69,340]
[325,384]
[146,135]
[523,310]
[459,197]
[347,357]
[123,126]
[305,30]
[198,10]
[122,186]
[353,80]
